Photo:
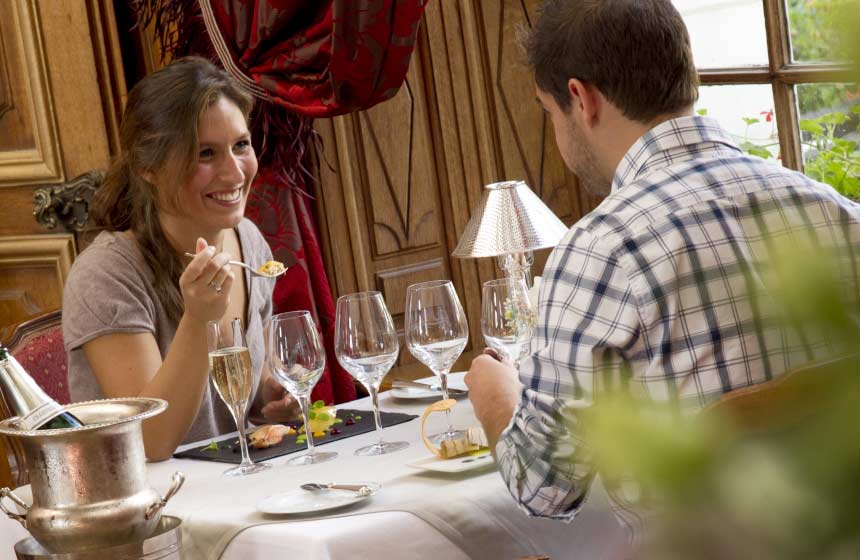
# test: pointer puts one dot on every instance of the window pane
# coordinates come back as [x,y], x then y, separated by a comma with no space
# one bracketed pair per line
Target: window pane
[830,134]
[815,29]
[725,33]
[746,112]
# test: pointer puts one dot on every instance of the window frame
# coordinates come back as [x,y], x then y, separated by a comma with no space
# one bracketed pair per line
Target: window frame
[783,75]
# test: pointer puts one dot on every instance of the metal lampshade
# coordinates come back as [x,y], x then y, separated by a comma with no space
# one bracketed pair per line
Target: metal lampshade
[511,222]
[510,219]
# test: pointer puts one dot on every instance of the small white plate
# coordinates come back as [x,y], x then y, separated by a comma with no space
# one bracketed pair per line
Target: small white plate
[303,502]
[456,465]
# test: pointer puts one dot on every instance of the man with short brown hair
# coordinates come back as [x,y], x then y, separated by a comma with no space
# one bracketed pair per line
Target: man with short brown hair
[659,288]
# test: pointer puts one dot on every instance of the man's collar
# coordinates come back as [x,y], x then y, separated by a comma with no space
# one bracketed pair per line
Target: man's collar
[670,141]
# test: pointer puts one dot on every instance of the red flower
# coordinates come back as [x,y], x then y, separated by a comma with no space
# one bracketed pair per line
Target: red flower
[768,115]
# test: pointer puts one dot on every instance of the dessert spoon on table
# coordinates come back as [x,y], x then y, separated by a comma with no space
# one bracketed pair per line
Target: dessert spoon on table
[254,271]
[361,489]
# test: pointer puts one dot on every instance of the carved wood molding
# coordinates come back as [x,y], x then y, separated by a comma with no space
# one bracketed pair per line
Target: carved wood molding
[67,203]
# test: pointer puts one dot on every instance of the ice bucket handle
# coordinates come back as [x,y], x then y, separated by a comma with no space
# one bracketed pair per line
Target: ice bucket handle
[7,493]
[175,485]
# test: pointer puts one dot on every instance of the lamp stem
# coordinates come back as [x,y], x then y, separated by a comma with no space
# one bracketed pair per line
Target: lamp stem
[517,265]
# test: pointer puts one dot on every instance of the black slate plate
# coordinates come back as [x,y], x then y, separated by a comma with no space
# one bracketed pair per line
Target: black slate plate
[227,453]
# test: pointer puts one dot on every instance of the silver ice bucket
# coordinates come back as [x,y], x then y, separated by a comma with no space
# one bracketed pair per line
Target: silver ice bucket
[164,544]
[89,483]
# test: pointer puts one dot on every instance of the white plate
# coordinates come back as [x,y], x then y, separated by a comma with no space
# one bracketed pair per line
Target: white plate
[456,465]
[415,393]
[301,502]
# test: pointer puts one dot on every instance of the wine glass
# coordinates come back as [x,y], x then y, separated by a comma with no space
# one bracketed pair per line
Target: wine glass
[230,371]
[436,334]
[507,318]
[297,361]
[366,345]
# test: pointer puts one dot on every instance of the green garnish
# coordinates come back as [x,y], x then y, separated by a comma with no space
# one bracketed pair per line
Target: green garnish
[323,416]
[318,404]
[302,438]
[312,415]
[337,421]
[213,446]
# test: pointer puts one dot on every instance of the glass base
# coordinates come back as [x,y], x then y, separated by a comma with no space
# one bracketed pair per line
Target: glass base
[382,448]
[244,470]
[436,439]
[310,459]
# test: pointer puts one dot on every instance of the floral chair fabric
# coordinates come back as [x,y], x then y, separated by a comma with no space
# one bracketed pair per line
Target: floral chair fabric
[38,346]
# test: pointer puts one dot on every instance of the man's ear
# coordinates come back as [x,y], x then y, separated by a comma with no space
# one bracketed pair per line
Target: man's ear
[585,100]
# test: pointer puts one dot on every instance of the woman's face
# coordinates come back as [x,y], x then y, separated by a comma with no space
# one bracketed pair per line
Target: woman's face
[216,192]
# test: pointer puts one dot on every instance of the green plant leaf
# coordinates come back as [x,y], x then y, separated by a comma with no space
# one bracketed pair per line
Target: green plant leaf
[811,126]
[758,151]
[750,120]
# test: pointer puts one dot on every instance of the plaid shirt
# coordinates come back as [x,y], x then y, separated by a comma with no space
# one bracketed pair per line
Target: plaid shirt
[663,281]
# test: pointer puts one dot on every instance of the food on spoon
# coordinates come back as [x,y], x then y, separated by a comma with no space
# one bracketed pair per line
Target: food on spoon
[271,268]
[269,435]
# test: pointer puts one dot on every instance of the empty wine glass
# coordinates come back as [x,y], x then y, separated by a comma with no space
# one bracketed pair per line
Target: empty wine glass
[297,361]
[436,334]
[366,345]
[230,371]
[507,318]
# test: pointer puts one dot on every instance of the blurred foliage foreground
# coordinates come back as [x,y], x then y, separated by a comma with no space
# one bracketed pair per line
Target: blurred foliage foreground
[726,492]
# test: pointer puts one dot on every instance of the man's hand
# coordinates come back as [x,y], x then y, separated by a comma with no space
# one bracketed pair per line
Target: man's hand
[494,389]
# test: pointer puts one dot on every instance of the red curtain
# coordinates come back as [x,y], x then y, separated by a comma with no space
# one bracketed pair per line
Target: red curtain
[301,59]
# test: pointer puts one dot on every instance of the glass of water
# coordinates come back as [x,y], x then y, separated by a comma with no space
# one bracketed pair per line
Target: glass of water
[436,334]
[507,318]
[366,345]
[297,361]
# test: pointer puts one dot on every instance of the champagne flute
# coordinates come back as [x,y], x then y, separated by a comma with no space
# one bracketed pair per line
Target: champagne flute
[366,345]
[436,334]
[297,360]
[507,318]
[230,371]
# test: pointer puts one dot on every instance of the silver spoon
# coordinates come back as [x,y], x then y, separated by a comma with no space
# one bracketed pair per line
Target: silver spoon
[251,269]
[360,488]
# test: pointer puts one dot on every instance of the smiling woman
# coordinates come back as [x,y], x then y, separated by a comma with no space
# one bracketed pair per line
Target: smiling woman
[135,310]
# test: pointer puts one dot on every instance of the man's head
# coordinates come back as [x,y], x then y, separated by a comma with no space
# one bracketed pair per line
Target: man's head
[611,70]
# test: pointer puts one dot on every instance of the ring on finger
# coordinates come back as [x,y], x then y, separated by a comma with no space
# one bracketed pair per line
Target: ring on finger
[214,286]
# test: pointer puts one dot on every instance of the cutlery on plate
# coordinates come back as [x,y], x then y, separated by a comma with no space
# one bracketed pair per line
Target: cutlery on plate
[401,383]
[360,488]
[251,269]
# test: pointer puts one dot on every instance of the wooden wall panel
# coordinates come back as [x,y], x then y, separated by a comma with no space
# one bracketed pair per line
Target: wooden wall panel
[400,176]
[29,145]
[33,270]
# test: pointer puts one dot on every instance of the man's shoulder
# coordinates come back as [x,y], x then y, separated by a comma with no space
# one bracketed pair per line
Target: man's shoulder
[644,205]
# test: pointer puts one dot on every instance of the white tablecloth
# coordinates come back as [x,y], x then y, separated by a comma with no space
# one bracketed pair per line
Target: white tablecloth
[417,514]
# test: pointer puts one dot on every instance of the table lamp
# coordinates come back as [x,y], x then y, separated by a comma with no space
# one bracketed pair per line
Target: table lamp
[510,223]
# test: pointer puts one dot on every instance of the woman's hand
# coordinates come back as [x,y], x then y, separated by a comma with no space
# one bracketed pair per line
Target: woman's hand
[206,283]
[278,404]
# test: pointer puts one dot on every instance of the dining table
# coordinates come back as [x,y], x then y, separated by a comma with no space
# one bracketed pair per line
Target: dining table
[415,513]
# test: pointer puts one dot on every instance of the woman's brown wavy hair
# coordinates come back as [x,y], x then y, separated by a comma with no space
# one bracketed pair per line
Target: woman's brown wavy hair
[158,140]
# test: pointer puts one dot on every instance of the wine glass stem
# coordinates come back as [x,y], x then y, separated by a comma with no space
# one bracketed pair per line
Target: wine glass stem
[305,404]
[374,398]
[443,382]
[243,441]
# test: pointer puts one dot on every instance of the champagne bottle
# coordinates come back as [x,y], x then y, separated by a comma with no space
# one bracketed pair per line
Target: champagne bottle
[34,408]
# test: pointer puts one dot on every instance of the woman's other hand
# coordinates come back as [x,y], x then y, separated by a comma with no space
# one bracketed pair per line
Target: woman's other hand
[278,404]
[206,283]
